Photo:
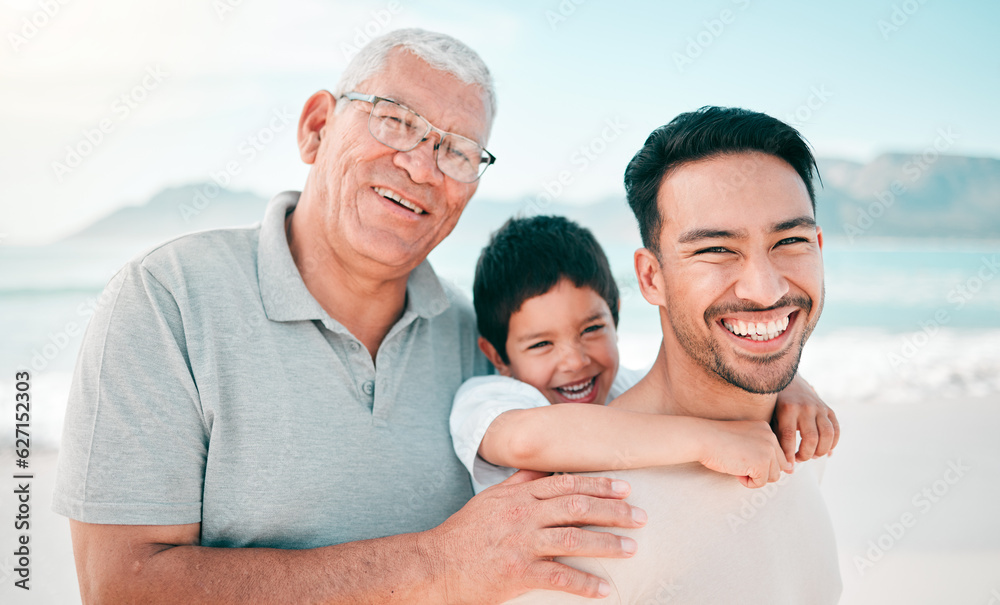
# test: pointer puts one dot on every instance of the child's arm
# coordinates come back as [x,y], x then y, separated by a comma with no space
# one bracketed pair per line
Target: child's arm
[800,409]
[585,437]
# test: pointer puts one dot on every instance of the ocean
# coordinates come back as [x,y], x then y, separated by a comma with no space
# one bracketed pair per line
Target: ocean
[905,321]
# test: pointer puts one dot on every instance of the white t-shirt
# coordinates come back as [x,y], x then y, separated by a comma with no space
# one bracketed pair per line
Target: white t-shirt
[481,399]
[711,540]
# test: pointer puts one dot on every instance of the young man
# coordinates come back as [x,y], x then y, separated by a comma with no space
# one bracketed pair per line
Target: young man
[733,260]
[547,309]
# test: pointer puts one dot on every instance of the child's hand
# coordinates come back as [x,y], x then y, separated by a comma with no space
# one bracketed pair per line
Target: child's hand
[747,449]
[800,409]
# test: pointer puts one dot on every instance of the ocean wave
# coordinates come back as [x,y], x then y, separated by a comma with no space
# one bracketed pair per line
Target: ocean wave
[871,366]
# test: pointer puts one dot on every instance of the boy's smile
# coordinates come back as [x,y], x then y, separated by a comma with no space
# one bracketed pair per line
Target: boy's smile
[564,344]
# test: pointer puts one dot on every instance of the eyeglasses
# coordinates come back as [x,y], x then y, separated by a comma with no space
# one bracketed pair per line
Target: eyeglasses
[402,129]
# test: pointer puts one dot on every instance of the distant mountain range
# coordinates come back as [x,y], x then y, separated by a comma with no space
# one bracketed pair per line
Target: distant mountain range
[894,195]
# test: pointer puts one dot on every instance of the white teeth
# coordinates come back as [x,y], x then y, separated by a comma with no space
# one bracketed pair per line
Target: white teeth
[757,331]
[392,195]
[580,391]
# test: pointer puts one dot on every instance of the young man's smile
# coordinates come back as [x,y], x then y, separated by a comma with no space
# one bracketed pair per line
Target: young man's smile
[742,268]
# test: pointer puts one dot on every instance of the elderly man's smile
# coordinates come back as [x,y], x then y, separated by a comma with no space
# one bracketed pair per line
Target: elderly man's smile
[398,199]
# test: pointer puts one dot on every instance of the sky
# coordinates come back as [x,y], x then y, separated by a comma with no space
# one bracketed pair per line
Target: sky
[103,104]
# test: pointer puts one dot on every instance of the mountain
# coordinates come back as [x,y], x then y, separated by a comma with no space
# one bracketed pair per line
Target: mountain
[898,195]
[894,195]
[175,211]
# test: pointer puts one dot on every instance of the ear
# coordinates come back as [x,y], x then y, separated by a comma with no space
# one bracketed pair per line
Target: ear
[491,353]
[317,112]
[647,271]
[819,236]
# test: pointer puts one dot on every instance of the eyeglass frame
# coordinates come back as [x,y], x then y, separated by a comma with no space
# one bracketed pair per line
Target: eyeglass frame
[489,160]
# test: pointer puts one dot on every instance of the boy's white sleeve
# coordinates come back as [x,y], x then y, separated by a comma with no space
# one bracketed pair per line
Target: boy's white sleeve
[477,404]
[625,380]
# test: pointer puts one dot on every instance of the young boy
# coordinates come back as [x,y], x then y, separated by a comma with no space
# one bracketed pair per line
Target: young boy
[547,311]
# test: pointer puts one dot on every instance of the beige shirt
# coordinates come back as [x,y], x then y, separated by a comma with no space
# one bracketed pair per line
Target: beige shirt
[711,540]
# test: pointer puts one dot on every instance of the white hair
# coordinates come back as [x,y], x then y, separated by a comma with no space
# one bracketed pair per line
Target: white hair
[440,51]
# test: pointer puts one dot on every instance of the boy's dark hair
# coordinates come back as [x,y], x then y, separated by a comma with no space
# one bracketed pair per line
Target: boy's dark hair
[710,131]
[527,257]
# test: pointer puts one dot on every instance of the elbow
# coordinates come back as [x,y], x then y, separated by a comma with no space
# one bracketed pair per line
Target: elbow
[107,588]
[525,449]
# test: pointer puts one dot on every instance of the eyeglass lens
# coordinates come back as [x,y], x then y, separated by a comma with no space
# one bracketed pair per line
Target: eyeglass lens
[402,129]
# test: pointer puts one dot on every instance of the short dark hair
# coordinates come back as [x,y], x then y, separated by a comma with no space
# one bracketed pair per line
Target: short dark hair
[707,132]
[527,257]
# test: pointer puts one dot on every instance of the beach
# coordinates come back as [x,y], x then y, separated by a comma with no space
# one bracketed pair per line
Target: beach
[936,461]
[912,371]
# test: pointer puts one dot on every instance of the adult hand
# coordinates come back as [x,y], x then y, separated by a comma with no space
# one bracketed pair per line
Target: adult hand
[502,542]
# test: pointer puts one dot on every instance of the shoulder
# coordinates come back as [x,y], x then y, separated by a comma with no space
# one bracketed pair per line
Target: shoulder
[204,254]
[459,303]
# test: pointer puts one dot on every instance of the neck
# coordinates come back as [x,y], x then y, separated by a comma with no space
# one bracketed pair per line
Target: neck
[678,385]
[365,297]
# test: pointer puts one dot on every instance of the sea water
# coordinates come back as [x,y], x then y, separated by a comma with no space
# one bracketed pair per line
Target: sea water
[904,321]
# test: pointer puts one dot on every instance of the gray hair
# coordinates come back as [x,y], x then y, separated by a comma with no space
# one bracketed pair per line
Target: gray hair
[440,51]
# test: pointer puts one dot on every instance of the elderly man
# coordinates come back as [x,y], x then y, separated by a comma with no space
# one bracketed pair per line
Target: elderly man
[261,414]
[732,258]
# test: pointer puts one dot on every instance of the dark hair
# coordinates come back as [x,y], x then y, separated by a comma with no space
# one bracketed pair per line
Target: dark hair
[696,135]
[527,257]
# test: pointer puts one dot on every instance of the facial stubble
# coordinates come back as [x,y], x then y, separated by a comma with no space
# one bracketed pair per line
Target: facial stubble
[768,373]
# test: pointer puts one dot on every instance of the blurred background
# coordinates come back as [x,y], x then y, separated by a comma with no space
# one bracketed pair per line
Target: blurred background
[129,123]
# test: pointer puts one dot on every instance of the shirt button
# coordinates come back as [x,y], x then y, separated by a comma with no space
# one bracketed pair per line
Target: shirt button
[368,388]
[355,346]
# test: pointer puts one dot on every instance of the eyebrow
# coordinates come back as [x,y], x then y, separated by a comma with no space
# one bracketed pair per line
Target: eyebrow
[694,235]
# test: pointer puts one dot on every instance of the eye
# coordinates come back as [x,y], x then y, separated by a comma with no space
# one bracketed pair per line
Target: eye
[593,328]
[713,250]
[539,345]
[792,240]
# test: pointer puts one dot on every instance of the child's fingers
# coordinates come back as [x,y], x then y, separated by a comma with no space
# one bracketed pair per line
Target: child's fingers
[810,440]
[826,433]
[787,431]
[836,429]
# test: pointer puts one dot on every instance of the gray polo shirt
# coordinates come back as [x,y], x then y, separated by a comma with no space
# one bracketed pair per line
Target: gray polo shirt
[212,388]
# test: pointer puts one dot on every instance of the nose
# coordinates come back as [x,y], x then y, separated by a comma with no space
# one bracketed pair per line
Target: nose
[421,162]
[573,358]
[761,282]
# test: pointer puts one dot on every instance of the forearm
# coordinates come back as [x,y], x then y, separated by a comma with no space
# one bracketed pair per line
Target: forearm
[585,437]
[394,569]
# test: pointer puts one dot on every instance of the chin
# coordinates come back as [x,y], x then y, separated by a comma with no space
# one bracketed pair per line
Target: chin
[762,377]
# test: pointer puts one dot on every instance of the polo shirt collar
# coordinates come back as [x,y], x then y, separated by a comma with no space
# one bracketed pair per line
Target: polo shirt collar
[284,294]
